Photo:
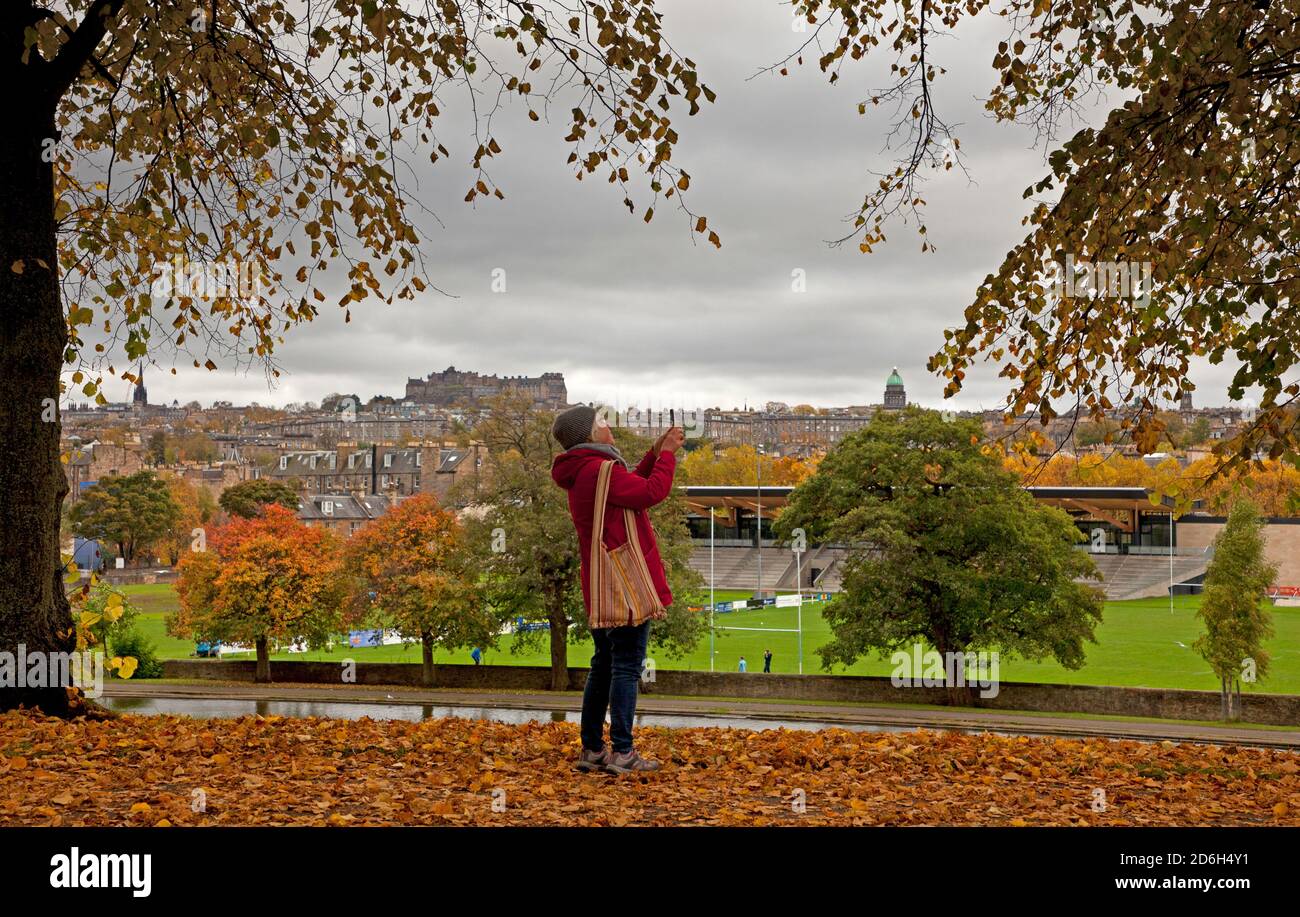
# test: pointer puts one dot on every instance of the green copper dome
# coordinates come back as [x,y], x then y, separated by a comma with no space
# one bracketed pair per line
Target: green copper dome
[894,378]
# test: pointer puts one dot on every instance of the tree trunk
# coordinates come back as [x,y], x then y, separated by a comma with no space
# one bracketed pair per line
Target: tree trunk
[559,649]
[954,695]
[263,675]
[34,610]
[960,696]
[426,675]
[1223,698]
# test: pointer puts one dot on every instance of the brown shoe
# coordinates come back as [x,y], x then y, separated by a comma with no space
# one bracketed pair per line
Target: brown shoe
[593,760]
[629,762]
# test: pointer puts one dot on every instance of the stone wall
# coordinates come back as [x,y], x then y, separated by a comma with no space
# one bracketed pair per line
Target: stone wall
[136,576]
[1269,709]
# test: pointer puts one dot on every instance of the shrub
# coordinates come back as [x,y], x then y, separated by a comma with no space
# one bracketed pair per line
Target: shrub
[134,643]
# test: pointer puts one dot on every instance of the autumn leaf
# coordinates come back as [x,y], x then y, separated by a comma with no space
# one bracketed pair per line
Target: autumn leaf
[323,772]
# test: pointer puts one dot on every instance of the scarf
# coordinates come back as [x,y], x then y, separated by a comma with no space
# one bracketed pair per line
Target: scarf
[603,448]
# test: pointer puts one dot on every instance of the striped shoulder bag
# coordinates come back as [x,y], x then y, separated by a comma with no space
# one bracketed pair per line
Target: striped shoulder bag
[622,593]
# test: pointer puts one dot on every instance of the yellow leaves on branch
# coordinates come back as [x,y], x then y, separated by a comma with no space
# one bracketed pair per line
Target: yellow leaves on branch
[278,771]
[267,143]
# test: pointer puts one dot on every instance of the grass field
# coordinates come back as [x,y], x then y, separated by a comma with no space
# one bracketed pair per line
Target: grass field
[1140,644]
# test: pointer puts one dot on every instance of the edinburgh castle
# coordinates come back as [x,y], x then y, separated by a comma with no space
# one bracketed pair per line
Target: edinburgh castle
[453,388]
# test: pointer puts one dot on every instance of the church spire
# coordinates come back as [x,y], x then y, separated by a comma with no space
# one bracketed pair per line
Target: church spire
[140,396]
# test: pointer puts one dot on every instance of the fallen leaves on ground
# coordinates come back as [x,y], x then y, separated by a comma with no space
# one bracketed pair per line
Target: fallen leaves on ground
[167,770]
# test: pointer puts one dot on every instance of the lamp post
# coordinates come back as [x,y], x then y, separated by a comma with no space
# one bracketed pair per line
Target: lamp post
[798,585]
[1171,561]
[712,604]
[758,475]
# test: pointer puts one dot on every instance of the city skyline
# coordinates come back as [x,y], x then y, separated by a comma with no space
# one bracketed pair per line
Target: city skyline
[558,277]
[625,398]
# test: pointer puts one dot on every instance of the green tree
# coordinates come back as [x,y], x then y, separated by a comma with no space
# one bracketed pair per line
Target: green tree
[946,548]
[1196,433]
[1095,433]
[247,498]
[195,446]
[185,177]
[336,402]
[158,448]
[1172,430]
[1235,608]
[131,512]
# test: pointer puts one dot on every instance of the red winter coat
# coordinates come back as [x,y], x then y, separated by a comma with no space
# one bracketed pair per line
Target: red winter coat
[637,490]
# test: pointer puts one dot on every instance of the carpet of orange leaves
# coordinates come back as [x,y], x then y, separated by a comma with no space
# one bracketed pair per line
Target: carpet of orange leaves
[166,770]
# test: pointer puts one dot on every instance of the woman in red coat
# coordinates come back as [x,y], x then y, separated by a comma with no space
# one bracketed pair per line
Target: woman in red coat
[620,651]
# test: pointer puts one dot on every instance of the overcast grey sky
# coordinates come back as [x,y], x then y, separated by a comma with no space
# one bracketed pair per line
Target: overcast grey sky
[636,313]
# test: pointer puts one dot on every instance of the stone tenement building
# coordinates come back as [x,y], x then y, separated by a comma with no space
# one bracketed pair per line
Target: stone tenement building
[781,431]
[363,426]
[91,462]
[451,388]
[383,470]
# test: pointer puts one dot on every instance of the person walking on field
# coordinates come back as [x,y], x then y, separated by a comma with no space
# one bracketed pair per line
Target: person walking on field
[743,666]
[767,661]
[616,665]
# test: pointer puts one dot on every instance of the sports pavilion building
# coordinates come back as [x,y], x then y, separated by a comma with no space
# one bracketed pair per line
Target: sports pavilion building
[1139,547]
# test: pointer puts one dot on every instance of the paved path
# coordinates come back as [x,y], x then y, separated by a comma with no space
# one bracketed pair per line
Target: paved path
[856,715]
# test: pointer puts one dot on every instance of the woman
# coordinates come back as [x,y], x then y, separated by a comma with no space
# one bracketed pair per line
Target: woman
[620,651]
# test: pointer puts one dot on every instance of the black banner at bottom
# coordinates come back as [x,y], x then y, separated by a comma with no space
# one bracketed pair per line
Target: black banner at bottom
[497,866]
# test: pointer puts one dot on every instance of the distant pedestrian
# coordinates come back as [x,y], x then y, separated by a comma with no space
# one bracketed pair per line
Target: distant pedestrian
[477,655]
[767,661]
[743,667]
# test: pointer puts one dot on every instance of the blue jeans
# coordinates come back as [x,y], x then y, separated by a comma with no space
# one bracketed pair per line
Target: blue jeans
[612,683]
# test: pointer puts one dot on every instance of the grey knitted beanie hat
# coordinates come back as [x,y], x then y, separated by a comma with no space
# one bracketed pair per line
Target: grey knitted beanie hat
[573,426]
